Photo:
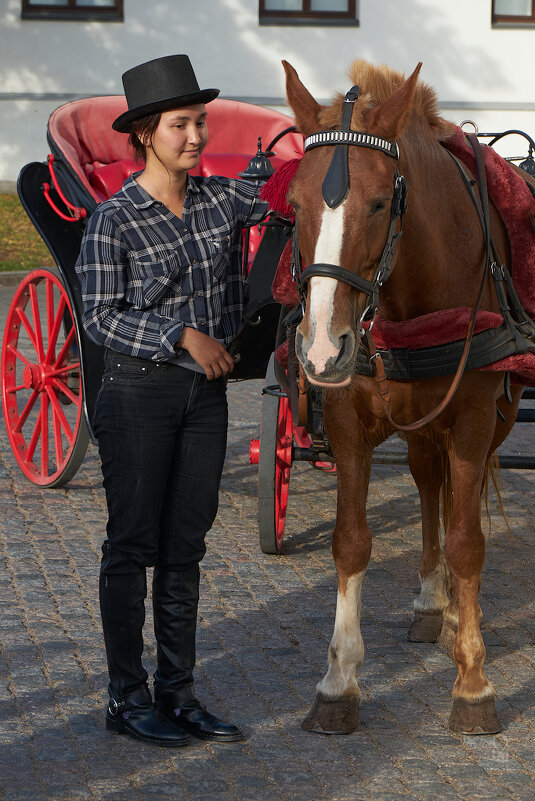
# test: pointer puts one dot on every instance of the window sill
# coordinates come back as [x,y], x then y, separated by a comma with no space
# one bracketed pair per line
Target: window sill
[70,16]
[498,25]
[300,21]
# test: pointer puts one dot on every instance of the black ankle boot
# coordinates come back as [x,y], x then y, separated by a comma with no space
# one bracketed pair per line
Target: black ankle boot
[136,716]
[192,717]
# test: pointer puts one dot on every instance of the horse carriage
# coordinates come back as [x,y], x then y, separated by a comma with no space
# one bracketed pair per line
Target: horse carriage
[50,370]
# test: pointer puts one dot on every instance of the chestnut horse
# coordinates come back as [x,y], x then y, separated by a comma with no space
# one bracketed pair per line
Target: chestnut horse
[438,265]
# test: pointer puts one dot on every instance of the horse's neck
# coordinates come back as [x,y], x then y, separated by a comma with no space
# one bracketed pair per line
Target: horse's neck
[439,253]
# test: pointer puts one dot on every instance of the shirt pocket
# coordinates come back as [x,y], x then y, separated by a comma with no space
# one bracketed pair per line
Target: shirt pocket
[159,276]
[220,256]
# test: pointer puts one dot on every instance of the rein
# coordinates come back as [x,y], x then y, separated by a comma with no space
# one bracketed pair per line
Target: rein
[375,357]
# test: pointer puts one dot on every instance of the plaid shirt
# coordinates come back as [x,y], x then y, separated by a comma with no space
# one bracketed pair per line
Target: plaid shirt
[146,273]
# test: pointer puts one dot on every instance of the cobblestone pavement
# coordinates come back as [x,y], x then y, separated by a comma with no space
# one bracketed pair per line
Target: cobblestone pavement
[265,624]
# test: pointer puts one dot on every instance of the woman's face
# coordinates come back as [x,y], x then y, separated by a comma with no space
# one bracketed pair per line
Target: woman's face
[180,138]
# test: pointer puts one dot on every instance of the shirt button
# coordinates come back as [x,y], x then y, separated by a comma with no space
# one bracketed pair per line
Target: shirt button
[185,230]
[194,261]
[198,293]
[202,322]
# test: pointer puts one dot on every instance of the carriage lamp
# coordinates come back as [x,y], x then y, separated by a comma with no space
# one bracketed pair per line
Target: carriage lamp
[529,164]
[260,167]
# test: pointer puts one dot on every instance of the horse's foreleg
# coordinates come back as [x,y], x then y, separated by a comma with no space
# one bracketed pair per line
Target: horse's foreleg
[335,710]
[426,467]
[473,709]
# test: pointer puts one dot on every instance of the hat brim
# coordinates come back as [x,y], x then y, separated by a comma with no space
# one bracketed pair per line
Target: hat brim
[125,120]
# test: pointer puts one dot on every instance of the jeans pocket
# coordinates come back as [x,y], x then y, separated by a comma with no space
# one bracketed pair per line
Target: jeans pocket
[120,368]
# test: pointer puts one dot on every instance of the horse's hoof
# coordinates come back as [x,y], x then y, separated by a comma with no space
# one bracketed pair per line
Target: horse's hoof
[478,718]
[447,638]
[425,627]
[333,715]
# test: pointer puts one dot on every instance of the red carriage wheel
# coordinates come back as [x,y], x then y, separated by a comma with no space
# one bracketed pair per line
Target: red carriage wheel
[41,381]
[274,465]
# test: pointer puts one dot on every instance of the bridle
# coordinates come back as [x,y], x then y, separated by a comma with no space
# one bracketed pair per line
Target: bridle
[335,189]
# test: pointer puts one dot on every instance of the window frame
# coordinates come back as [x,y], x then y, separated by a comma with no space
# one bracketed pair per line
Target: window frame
[513,19]
[73,11]
[308,17]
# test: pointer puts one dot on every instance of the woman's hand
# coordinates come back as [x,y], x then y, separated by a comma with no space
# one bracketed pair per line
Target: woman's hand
[208,352]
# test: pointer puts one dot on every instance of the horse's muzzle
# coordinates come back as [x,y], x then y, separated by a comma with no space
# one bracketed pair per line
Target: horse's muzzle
[335,371]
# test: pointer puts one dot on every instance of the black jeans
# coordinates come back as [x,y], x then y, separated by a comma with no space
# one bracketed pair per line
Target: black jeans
[161,431]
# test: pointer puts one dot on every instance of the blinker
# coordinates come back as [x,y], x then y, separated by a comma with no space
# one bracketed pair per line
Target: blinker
[336,182]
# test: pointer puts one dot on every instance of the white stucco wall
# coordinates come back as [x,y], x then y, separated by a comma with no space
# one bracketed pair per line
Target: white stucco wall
[479,73]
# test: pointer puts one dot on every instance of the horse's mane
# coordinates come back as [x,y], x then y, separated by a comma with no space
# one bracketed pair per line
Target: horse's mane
[377,84]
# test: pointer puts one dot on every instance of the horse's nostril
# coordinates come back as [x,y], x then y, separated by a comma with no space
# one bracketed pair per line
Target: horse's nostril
[346,344]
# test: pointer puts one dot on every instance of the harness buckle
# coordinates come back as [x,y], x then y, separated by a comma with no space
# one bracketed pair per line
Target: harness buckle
[497,271]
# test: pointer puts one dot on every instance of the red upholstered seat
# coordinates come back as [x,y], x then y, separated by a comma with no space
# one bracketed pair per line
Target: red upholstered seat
[101,158]
[109,178]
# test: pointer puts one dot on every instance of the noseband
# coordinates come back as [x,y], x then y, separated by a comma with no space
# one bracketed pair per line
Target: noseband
[335,189]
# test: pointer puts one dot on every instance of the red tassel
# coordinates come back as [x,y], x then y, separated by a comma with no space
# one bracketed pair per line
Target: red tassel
[276,189]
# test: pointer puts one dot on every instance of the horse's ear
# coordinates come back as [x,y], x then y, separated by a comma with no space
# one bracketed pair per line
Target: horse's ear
[391,117]
[301,102]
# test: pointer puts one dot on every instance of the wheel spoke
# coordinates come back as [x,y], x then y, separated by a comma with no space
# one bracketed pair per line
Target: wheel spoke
[60,414]
[58,443]
[26,411]
[37,322]
[27,327]
[53,334]
[71,337]
[68,368]
[44,434]
[34,439]
[49,287]
[60,386]
[16,352]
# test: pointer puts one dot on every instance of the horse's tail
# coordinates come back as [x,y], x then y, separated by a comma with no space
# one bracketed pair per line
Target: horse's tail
[492,469]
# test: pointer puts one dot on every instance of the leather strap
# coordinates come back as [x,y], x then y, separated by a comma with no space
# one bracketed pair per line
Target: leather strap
[376,361]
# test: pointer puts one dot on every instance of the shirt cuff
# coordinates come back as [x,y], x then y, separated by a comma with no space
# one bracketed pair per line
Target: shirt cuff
[170,335]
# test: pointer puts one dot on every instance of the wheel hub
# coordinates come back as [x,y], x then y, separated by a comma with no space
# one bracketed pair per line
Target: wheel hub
[36,376]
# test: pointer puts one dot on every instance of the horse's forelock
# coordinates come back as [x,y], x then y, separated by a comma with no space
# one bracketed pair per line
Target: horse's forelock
[377,84]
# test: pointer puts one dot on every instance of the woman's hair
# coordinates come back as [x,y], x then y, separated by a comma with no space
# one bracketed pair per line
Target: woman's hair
[141,131]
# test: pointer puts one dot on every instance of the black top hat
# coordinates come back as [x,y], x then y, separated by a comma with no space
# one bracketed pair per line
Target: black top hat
[160,85]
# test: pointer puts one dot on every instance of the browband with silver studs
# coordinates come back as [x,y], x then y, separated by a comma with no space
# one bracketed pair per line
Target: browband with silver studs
[352,138]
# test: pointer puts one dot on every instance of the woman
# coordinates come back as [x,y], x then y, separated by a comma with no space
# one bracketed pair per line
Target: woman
[161,285]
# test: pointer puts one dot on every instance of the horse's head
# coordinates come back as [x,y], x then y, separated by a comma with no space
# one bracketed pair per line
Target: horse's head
[343,196]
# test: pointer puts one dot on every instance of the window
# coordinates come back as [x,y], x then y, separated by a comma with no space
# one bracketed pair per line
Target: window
[105,10]
[513,12]
[308,12]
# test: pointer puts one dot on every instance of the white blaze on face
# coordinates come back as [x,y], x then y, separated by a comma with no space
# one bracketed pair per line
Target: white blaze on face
[321,292]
